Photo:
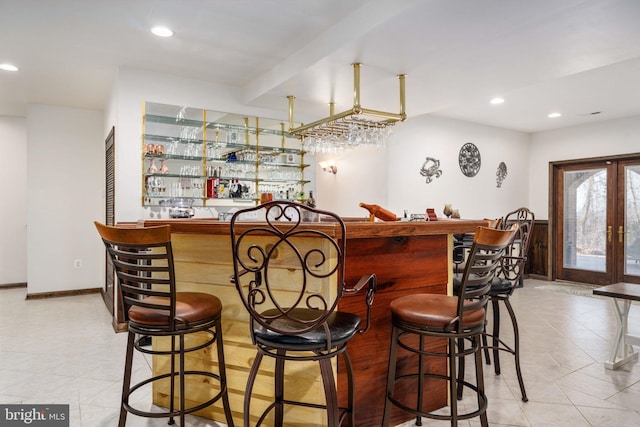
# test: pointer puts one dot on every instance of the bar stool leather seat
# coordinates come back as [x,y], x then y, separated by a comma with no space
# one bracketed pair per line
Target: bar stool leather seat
[192,307]
[342,327]
[435,312]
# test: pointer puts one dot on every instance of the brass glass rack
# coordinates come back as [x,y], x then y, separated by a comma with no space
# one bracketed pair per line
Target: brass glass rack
[338,125]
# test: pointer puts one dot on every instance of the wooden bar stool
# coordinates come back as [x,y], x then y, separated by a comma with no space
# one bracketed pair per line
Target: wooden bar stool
[143,261]
[452,318]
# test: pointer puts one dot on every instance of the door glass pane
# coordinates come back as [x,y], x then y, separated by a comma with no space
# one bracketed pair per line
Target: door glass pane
[585,219]
[632,220]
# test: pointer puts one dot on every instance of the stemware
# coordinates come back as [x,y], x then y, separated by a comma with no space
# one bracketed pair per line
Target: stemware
[152,167]
[164,169]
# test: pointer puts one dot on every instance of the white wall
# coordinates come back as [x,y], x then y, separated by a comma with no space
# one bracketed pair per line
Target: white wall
[391,177]
[13,200]
[65,152]
[621,136]
[361,177]
[475,197]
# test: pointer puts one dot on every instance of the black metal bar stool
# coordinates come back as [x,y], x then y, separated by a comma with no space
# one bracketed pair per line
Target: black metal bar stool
[452,318]
[143,261]
[290,277]
[508,278]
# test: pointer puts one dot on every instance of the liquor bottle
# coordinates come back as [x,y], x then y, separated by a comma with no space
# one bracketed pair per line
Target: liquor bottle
[235,189]
[212,185]
[311,202]
[379,212]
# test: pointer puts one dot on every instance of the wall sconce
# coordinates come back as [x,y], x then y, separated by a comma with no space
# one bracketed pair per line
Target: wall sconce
[329,166]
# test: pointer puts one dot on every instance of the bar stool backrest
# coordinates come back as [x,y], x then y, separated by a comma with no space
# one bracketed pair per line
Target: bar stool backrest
[484,260]
[285,265]
[515,259]
[143,261]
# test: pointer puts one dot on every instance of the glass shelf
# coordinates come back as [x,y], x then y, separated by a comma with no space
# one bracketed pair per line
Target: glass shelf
[173,157]
[173,175]
[200,143]
[167,139]
[169,120]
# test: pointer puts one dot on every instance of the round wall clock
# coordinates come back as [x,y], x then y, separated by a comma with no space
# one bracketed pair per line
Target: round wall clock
[469,159]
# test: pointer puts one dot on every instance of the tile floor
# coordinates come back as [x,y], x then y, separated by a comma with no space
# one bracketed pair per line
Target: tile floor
[63,350]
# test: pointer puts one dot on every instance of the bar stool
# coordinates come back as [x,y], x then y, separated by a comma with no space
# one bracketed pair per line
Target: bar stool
[290,277]
[509,277]
[446,317]
[143,261]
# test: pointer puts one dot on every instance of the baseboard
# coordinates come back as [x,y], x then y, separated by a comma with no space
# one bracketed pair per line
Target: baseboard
[538,276]
[57,294]
[119,327]
[13,285]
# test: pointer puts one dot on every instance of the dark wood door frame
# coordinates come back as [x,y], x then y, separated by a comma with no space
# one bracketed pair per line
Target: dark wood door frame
[107,290]
[555,203]
[110,295]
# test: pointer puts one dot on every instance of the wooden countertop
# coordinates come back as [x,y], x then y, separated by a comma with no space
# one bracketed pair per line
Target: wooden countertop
[355,229]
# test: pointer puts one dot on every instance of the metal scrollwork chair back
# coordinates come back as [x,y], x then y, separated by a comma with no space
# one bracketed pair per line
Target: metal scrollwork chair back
[511,271]
[289,272]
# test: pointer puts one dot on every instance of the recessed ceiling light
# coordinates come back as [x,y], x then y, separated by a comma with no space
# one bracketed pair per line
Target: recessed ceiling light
[497,100]
[8,67]
[162,31]
[554,115]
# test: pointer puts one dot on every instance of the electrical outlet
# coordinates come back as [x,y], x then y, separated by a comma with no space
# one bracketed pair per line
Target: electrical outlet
[77,263]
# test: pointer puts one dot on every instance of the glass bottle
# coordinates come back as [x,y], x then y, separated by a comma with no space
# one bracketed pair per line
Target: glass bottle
[379,212]
[311,202]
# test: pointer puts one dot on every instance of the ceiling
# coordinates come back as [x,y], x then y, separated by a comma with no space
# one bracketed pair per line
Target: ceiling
[578,57]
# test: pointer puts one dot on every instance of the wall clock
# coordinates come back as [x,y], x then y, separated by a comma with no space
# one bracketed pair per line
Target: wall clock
[469,159]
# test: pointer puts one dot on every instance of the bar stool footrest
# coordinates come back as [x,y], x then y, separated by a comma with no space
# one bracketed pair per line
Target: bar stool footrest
[139,412]
[481,395]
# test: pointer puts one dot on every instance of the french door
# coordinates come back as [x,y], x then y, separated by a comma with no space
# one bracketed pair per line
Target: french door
[596,212]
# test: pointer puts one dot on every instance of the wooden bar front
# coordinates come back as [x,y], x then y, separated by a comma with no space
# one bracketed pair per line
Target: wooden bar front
[407,257]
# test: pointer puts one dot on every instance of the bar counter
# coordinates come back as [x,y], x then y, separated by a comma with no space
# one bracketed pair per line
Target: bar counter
[407,257]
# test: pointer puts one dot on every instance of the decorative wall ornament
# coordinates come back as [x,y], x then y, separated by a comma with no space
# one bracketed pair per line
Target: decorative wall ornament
[430,169]
[469,159]
[501,174]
